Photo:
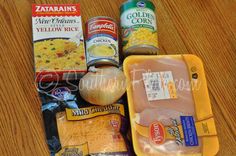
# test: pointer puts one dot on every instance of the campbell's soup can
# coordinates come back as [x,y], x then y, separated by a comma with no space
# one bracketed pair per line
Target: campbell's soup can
[102,42]
[139,27]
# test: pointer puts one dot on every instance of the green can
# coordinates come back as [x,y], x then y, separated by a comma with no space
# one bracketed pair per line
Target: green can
[139,27]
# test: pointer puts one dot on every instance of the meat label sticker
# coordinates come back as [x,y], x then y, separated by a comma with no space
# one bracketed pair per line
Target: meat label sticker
[159,85]
[157,133]
[189,129]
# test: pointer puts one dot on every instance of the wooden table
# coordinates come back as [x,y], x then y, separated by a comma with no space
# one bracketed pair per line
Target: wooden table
[206,28]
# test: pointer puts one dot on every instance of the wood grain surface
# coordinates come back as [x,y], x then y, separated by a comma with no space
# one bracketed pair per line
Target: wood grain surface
[206,28]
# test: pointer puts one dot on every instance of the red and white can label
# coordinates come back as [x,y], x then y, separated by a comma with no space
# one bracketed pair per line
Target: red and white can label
[102,40]
[102,26]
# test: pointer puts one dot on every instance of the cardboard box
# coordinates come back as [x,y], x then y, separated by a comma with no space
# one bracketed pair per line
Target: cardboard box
[59,52]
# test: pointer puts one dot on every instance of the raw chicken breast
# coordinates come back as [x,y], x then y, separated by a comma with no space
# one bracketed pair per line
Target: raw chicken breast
[161,114]
[162,110]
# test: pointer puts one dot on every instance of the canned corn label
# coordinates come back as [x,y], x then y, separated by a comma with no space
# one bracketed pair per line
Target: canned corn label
[102,41]
[138,22]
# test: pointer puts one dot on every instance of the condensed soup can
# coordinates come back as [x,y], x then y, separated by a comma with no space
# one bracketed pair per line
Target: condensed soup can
[139,27]
[102,46]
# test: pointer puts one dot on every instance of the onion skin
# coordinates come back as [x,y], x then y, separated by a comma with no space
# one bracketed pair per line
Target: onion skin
[103,87]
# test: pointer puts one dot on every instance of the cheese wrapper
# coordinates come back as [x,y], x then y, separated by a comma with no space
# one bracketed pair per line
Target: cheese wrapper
[75,127]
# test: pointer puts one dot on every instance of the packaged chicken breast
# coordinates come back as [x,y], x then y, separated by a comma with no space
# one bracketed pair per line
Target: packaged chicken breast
[170,110]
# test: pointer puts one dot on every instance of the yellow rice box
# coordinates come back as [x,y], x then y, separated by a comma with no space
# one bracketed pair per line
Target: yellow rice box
[58,42]
[170,110]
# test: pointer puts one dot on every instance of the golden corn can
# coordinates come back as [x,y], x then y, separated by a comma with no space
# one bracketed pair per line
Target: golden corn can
[139,27]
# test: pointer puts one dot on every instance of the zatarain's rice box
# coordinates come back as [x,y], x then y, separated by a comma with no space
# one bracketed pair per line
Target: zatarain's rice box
[58,42]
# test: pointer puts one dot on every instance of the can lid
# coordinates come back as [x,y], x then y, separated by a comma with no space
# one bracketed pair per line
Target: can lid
[103,62]
[137,4]
[141,50]
[97,17]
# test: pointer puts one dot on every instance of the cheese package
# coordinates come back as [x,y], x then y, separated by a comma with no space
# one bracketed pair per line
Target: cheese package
[58,41]
[75,127]
[169,106]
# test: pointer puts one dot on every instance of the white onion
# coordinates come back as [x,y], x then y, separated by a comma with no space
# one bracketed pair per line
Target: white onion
[103,86]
